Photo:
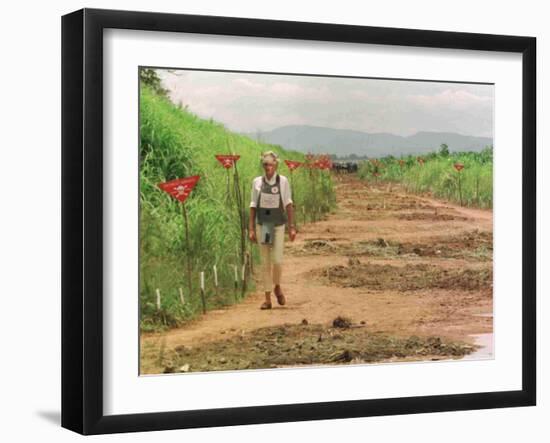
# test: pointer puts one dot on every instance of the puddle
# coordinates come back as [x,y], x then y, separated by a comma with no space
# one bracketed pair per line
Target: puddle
[486,350]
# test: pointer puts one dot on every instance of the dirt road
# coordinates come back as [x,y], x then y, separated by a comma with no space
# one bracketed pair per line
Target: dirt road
[411,275]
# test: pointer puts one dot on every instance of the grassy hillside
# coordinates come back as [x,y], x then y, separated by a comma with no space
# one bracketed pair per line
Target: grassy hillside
[175,143]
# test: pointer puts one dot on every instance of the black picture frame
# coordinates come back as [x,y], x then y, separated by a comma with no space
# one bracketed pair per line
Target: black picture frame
[82,218]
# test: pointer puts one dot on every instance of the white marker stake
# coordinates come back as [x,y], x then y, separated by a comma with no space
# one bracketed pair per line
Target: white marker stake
[215,276]
[242,272]
[182,299]
[203,295]
[158,299]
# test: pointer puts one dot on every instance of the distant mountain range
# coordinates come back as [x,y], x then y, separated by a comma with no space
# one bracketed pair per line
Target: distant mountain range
[344,142]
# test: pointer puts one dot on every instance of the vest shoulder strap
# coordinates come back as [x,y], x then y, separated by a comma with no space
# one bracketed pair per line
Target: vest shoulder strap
[277,180]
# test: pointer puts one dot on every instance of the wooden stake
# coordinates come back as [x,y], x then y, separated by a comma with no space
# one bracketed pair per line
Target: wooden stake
[228,187]
[239,201]
[459,189]
[158,299]
[189,267]
[251,258]
[236,282]
[248,263]
[243,288]
[215,277]
[293,190]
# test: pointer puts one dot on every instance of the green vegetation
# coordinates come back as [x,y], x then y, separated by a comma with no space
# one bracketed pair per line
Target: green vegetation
[175,143]
[463,177]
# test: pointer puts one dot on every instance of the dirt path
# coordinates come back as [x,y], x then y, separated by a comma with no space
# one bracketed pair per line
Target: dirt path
[391,262]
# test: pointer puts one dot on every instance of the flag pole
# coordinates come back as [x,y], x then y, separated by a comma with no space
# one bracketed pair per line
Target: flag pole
[189,265]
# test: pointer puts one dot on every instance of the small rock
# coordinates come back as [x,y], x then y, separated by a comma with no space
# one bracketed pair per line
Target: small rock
[184,368]
[341,322]
[223,360]
[169,369]
[346,356]
[363,322]
[434,341]
[304,321]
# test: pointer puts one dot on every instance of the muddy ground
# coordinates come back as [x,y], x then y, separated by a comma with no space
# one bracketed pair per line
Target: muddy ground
[305,344]
[411,275]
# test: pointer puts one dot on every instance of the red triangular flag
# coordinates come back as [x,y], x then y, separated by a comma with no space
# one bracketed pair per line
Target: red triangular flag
[180,188]
[227,161]
[292,164]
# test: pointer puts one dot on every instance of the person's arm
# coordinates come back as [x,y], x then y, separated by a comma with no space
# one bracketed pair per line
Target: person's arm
[252,225]
[291,226]
[252,217]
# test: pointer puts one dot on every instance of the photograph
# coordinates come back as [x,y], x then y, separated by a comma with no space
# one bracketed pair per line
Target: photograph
[292,221]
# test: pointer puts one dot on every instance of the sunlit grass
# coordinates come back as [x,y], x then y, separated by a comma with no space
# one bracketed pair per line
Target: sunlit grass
[437,174]
[176,143]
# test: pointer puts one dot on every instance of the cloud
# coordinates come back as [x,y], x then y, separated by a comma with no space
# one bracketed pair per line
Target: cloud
[249,102]
[460,99]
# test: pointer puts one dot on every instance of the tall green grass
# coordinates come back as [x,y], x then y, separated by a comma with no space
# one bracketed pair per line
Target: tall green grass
[472,186]
[176,143]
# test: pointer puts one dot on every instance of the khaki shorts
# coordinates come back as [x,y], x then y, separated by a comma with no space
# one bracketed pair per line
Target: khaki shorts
[272,253]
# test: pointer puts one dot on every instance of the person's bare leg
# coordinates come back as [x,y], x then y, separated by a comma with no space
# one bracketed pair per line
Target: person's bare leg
[267,283]
[277,260]
[277,272]
[265,252]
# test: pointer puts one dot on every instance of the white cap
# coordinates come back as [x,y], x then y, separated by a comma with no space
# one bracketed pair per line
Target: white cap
[269,157]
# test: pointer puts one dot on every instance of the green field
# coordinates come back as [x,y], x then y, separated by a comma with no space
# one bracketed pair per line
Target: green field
[436,173]
[175,143]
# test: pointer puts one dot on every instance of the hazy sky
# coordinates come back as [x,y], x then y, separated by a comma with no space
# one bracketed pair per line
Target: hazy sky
[261,102]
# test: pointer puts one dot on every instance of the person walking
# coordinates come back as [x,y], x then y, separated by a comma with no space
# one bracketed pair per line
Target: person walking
[271,208]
